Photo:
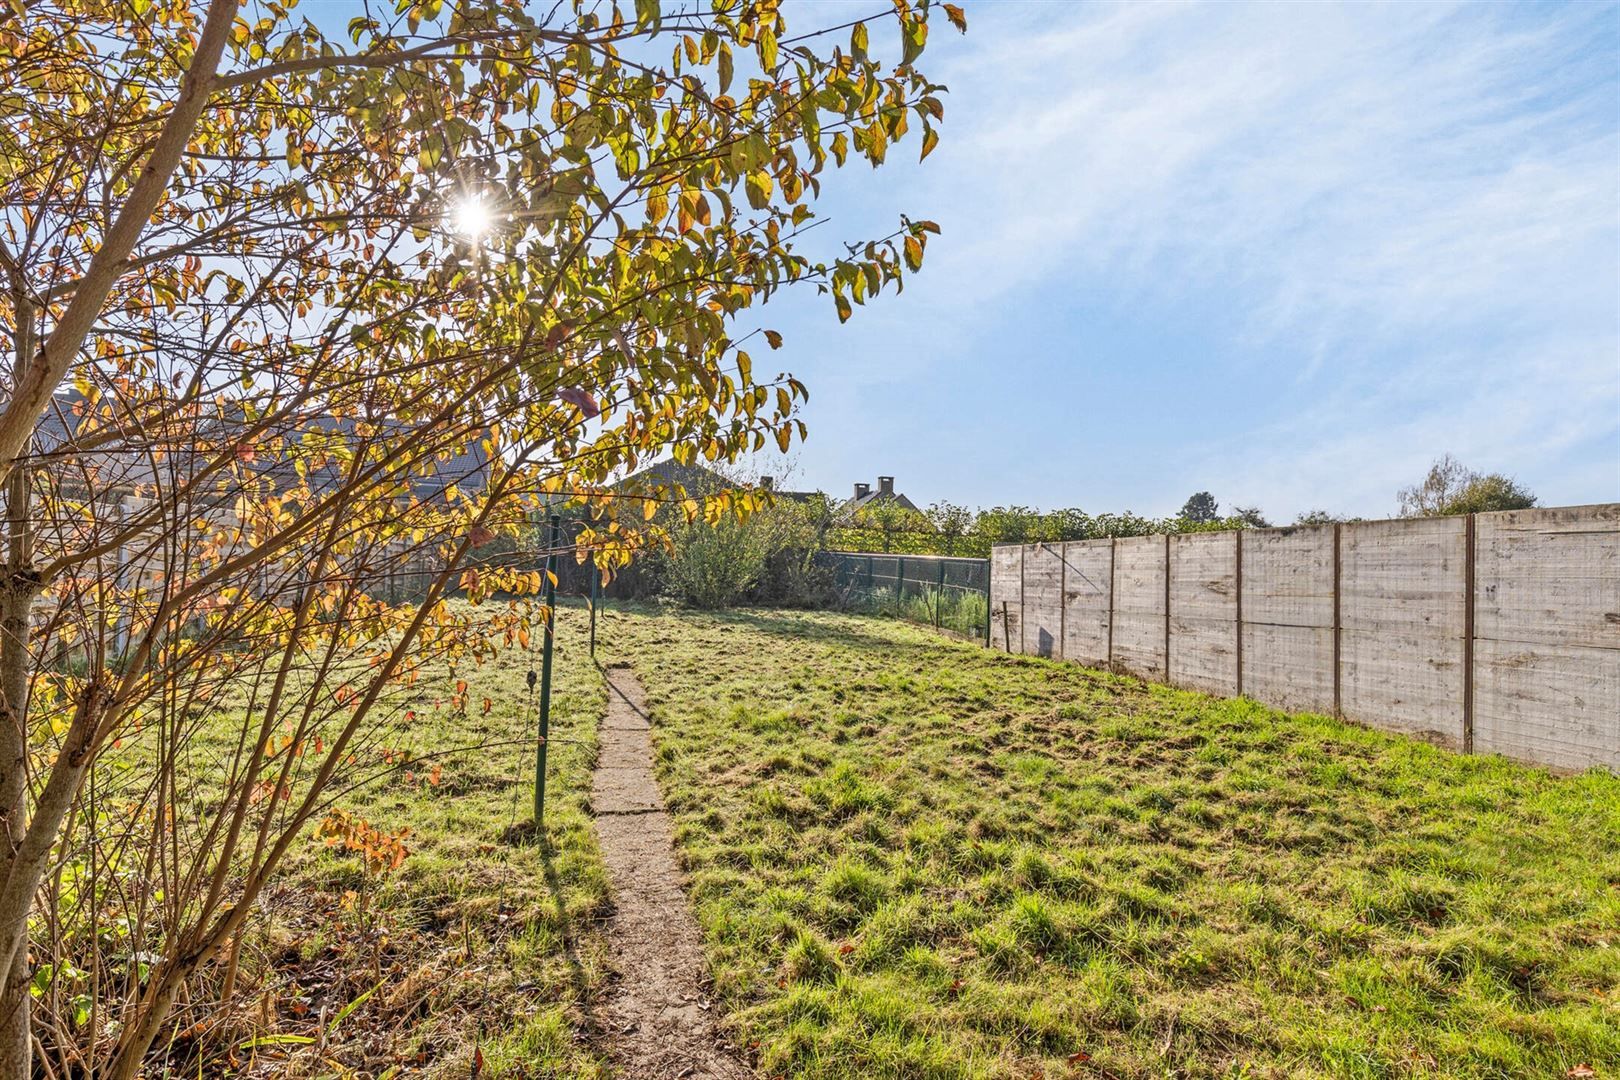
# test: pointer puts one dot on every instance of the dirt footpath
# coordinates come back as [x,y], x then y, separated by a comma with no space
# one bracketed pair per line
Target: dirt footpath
[657,1022]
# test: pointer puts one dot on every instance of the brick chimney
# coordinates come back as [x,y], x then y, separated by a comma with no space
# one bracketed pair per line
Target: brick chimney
[886,485]
[862,490]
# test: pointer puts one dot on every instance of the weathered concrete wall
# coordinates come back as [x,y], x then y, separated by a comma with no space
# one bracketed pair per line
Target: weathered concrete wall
[1088,600]
[1203,612]
[1007,598]
[1288,617]
[1139,631]
[1496,633]
[1403,601]
[1547,635]
[1043,600]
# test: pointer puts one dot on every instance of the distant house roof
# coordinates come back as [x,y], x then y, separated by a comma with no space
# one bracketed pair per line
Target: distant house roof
[701,479]
[467,466]
[696,479]
[769,484]
[865,496]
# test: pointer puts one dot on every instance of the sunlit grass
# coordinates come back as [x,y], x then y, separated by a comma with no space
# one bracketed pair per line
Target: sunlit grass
[483,941]
[915,858]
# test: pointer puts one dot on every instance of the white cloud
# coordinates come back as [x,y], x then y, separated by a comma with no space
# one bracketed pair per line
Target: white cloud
[1353,450]
[1346,164]
[1411,210]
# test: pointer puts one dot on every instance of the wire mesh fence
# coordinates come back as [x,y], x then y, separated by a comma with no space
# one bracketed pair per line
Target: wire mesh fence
[946,593]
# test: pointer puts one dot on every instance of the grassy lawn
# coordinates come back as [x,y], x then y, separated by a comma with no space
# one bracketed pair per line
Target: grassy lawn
[481,941]
[912,857]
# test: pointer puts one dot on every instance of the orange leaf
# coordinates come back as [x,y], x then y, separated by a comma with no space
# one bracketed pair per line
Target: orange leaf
[581,400]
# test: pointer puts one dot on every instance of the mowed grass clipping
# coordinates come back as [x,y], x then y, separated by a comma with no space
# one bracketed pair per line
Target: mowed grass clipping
[912,857]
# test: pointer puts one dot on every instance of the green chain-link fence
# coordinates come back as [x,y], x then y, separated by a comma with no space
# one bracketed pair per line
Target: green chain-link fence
[934,590]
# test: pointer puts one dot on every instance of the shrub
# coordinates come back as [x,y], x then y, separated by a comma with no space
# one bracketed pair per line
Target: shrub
[711,564]
[767,557]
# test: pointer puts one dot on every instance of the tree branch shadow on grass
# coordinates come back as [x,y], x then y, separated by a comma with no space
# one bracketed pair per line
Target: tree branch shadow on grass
[576,970]
[525,834]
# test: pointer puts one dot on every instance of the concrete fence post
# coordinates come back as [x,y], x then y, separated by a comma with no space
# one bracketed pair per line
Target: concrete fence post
[1237,592]
[1338,623]
[1468,636]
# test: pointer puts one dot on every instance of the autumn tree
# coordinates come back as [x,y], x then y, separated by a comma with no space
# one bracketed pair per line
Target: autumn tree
[289,305]
[891,522]
[1450,487]
[950,524]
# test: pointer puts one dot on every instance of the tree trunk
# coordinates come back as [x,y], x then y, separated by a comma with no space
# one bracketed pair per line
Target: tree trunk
[35,381]
[26,841]
[16,600]
[16,1047]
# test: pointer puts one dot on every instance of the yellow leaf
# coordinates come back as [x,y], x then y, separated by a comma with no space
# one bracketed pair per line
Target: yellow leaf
[914,253]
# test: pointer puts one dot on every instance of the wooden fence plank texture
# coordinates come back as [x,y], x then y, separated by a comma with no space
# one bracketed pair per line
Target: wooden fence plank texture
[1499,632]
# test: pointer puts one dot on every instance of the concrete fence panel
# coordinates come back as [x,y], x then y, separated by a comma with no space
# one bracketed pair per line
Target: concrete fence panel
[1403,615]
[1043,600]
[1139,593]
[1547,629]
[1491,632]
[1288,638]
[1203,612]
[1007,598]
[1088,594]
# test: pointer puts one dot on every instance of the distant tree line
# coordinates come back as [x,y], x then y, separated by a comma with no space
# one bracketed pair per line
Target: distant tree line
[770,556]
[949,529]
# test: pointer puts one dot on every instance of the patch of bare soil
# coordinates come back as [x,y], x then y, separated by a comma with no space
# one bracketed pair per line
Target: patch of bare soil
[657,1021]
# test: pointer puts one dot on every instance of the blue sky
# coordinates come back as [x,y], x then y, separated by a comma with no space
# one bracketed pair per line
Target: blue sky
[1287,253]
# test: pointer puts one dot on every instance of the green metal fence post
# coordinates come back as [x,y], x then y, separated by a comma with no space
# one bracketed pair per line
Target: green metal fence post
[939,592]
[987,605]
[545,673]
[596,584]
[899,584]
